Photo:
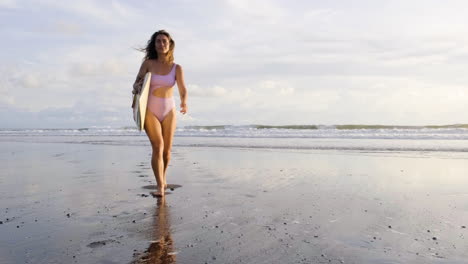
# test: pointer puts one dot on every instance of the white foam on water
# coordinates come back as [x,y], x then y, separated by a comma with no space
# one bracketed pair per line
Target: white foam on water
[396,139]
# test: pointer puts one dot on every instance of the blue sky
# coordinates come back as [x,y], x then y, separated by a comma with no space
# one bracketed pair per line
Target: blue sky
[72,64]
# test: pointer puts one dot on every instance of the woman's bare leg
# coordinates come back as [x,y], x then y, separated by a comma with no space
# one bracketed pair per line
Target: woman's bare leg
[154,131]
[168,129]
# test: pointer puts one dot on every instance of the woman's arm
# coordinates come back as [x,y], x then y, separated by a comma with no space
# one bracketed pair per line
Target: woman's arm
[182,89]
[140,77]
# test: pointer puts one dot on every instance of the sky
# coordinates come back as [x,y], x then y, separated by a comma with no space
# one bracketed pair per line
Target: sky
[71,64]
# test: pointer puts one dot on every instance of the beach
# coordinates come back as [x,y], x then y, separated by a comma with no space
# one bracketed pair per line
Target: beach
[69,202]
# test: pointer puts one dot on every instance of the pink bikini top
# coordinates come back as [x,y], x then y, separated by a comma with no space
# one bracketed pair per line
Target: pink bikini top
[167,80]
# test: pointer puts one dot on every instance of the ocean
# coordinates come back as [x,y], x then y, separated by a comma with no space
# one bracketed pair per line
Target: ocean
[448,139]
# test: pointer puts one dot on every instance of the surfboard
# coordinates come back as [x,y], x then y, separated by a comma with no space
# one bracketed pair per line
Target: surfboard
[140,101]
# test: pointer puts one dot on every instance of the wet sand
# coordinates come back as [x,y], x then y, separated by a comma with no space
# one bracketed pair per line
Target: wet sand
[79,203]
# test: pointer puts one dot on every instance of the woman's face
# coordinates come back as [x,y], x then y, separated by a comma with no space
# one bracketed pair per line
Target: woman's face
[162,43]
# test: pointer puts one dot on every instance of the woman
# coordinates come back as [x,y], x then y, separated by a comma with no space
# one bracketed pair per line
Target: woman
[160,120]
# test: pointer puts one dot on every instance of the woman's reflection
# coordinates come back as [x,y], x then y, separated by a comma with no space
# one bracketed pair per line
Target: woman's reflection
[161,249]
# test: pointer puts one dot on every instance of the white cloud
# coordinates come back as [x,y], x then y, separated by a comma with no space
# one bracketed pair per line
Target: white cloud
[107,12]
[268,84]
[262,10]
[7,99]
[29,80]
[108,69]
[9,4]
[275,88]
[286,91]
[219,91]
[68,27]
[215,91]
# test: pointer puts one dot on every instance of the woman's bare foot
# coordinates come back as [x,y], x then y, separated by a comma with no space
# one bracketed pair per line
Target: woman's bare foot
[158,193]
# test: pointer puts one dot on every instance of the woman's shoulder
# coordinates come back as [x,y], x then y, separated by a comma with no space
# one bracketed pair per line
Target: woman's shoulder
[145,63]
[148,61]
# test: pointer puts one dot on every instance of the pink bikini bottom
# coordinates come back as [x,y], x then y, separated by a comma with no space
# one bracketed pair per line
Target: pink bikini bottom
[160,106]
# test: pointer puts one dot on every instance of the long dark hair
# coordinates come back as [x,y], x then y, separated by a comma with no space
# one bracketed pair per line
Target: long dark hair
[150,50]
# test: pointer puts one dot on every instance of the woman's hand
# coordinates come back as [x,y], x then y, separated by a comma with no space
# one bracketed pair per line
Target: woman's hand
[182,89]
[138,84]
[183,108]
[133,101]
[137,87]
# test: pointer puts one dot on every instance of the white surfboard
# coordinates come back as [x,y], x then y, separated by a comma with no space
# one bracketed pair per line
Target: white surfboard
[140,103]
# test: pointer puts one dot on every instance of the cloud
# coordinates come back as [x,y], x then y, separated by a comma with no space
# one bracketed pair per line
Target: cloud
[79,115]
[40,85]
[29,80]
[215,91]
[9,4]
[263,11]
[7,99]
[67,27]
[107,68]
[106,12]
[286,91]
[278,88]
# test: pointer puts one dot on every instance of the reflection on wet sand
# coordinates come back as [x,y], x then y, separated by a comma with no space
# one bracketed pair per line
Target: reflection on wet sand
[161,249]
